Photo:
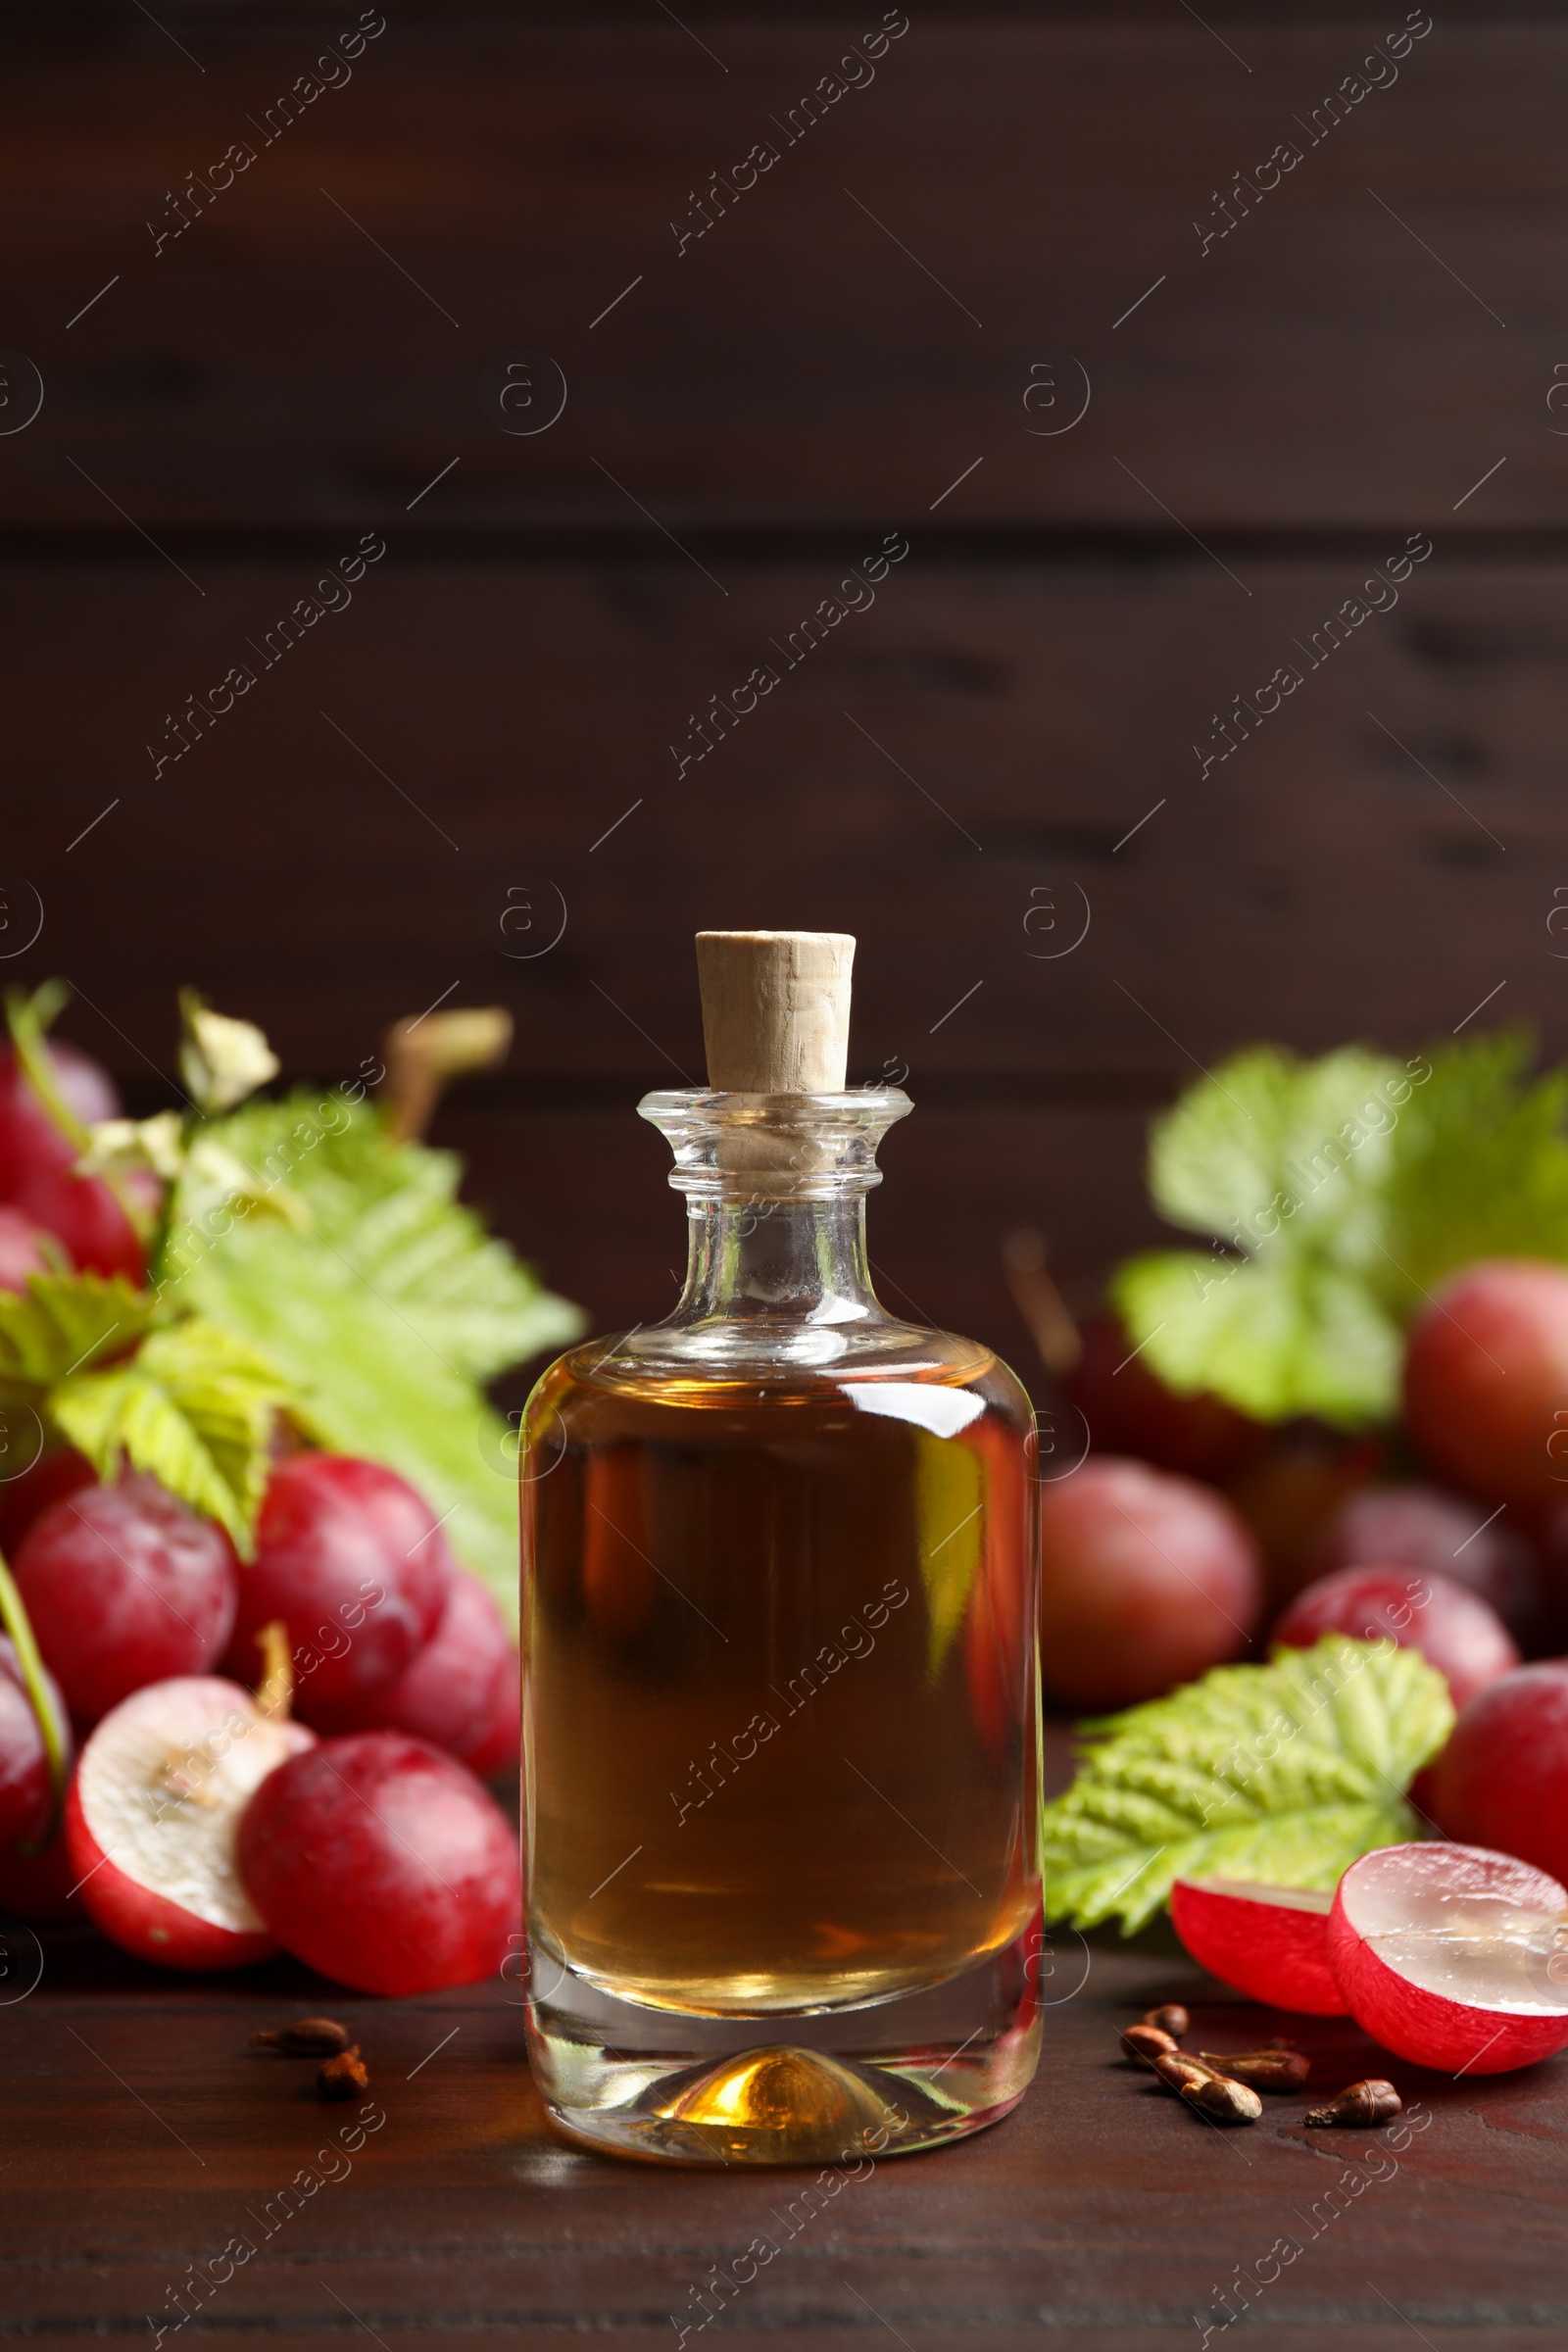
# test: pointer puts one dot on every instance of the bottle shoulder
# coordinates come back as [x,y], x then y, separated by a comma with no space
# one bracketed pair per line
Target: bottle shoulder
[884,1369]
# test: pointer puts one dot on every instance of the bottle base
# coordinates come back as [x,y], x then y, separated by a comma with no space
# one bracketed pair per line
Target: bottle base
[827,2087]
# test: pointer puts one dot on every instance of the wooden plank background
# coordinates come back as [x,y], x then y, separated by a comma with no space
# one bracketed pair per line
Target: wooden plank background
[1016,723]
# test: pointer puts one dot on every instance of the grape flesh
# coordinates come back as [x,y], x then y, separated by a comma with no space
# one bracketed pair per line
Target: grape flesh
[1146,1581]
[1452,1628]
[1129,1410]
[1417,1527]
[152,1815]
[36,1163]
[461,1693]
[1453,1956]
[1486,1383]
[384,1864]
[27,1796]
[124,1587]
[1502,1780]
[352,1561]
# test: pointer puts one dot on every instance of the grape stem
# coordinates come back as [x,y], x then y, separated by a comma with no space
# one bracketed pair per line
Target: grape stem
[1040,1302]
[425,1053]
[28,1020]
[14,1616]
[275,1692]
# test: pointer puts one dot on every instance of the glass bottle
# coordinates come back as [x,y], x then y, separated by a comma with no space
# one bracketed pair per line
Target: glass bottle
[781,1735]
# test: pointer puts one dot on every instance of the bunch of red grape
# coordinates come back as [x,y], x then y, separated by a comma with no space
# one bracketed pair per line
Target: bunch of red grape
[1158,1568]
[205,1826]
[375,1852]
[1452,1952]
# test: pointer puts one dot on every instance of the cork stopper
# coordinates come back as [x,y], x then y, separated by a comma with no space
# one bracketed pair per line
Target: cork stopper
[776,1011]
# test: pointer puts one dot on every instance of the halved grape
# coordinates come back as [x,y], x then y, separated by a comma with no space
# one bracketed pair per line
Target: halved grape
[1452,1956]
[1268,1942]
[151,1817]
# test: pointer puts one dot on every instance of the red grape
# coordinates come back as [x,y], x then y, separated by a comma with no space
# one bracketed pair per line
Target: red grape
[20,1251]
[1452,1627]
[382,1863]
[1502,1780]
[41,1887]
[1291,1493]
[459,1692]
[27,1796]
[352,1561]
[1550,1627]
[1129,1410]
[36,1161]
[502,1745]
[46,1480]
[84,1216]
[1410,1526]
[125,1586]
[29,1137]
[1146,1581]
[1486,1383]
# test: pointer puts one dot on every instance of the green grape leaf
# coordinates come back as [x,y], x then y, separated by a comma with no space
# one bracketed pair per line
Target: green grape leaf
[387,1212]
[1339,1192]
[61,1322]
[1480,1169]
[195,1407]
[1286,1163]
[1265,1129]
[362,1383]
[1276,1337]
[1281,1774]
[376,1292]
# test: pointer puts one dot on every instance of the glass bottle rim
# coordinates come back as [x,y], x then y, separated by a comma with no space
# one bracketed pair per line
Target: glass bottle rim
[801,1146]
[882,1102]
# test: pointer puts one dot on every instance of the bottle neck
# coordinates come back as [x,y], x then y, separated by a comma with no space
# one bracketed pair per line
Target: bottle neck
[778,1263]
[775,1189]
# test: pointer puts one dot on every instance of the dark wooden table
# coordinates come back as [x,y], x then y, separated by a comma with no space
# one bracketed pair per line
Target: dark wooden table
[142,2137]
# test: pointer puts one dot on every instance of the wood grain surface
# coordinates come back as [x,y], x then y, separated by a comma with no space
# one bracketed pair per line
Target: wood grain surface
[143,2137]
